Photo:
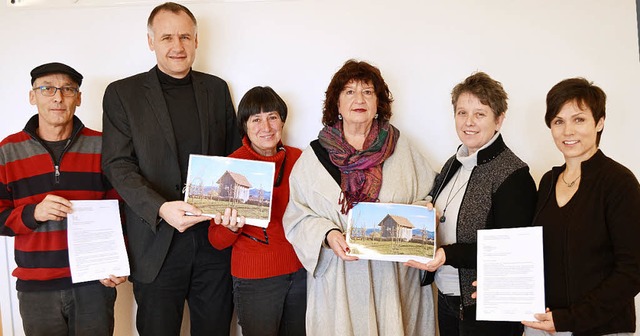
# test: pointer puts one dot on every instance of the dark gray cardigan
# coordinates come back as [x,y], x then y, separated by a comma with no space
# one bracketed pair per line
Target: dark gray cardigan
[500,194]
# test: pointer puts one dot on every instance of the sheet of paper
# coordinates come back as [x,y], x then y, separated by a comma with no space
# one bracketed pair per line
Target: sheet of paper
[510,274]
[96,243]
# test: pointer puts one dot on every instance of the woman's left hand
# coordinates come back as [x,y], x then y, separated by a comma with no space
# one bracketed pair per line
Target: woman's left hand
[230,219]
[545,322]
[431,266]
[338,244]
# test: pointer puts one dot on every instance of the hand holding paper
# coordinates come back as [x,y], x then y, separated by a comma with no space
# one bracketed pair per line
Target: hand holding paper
[113,281]
[52,207]
[544,322]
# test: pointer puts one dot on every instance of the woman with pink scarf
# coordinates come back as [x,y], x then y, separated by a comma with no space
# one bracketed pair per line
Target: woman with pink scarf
[358,157]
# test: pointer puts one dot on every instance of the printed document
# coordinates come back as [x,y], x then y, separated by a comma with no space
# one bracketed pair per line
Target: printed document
[96,243]
[510,274]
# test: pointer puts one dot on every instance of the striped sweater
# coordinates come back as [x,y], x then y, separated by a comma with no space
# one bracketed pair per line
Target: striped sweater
[28,173]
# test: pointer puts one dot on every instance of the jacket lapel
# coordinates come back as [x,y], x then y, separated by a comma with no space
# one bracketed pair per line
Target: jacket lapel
[153,94]
[204,105]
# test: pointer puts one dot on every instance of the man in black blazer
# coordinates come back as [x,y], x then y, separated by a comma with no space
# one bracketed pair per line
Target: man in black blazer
[151,123]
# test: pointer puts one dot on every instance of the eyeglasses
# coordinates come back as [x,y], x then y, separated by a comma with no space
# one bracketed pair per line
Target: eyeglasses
[50,91]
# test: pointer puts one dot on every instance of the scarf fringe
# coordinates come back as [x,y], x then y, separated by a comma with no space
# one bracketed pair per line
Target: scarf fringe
[348,201]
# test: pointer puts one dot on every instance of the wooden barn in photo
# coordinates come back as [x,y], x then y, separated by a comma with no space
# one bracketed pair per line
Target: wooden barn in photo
[234,186]
[396,227]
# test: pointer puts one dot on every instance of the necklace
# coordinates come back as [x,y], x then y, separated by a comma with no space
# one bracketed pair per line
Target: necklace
[450,198]
[572,183]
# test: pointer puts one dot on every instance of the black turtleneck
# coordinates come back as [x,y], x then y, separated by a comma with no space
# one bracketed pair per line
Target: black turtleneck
[183,110]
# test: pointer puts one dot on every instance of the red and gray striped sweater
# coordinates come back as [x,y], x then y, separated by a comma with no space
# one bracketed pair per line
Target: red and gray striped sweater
[28,173]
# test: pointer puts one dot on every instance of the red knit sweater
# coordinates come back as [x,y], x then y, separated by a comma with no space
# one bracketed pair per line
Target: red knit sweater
[251,259]
[27,176]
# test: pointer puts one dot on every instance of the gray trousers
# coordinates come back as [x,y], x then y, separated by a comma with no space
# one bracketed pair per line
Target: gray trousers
[81,310]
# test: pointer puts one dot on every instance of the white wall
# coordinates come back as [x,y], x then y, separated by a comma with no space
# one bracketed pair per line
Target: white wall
[422,47]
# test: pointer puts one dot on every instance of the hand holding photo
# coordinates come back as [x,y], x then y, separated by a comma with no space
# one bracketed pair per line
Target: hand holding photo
[215,183]
[391,232]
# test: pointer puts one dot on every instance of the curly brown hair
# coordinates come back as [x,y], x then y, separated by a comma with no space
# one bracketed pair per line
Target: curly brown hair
[488,90]
[353,70]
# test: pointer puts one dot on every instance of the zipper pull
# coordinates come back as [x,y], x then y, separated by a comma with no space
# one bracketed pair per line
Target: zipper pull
[57,174]
[461,315]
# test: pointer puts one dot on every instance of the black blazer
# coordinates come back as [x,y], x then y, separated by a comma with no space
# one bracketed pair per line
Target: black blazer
[139,155]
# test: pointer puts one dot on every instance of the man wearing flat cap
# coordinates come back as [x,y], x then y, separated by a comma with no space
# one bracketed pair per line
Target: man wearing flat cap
[54,159]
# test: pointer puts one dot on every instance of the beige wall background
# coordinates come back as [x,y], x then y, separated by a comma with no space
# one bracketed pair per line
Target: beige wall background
[422,47]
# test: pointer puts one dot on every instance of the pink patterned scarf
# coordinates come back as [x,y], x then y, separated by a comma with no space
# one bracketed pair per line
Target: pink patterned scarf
[361,171]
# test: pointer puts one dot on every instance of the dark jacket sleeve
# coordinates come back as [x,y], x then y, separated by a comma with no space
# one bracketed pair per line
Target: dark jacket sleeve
[512,205]
[120,162]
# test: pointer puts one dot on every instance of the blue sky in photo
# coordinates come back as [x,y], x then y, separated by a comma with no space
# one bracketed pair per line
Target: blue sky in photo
[210,169]
[373,213]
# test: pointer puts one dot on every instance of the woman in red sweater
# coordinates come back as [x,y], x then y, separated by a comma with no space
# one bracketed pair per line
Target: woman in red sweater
[269,282]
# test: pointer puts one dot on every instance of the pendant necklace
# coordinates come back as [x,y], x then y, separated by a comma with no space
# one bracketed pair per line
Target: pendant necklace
[572,183]
[450,198]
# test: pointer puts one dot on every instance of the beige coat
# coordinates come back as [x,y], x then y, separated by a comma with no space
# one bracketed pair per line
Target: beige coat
[357,297]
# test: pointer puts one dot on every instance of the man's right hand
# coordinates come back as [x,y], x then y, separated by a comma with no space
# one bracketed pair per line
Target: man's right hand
[174,213]
[52,207]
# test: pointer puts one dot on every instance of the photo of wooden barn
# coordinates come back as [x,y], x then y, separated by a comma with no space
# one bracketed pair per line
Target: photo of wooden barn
[398,227]
[234,187]
[215,183]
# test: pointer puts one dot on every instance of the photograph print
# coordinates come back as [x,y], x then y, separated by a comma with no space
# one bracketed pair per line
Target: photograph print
[215,183]
[392,232]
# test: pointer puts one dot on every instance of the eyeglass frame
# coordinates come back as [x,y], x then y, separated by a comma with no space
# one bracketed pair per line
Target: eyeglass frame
[62,89]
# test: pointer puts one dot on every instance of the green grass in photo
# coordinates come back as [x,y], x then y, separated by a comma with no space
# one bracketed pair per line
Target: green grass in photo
[214,206]
[396,247]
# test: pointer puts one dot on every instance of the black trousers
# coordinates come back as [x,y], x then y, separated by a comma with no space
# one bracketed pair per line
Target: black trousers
[450,324]
[272,306]
[193,271]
